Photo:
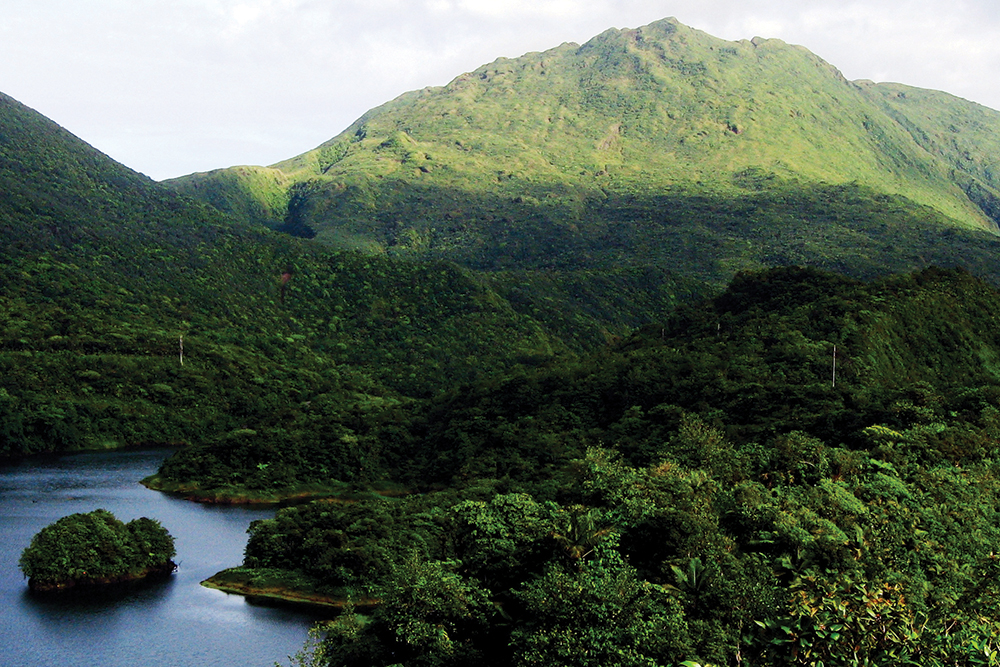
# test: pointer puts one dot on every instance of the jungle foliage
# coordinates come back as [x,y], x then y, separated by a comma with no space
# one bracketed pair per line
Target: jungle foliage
[704,491]
[130,315]
[563,410]
[96,547]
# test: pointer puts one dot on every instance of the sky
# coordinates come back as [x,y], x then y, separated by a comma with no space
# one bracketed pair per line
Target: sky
[172,87]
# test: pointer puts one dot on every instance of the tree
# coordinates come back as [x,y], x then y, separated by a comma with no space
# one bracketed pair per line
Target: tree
[598,613]
[430,616]
[96,548]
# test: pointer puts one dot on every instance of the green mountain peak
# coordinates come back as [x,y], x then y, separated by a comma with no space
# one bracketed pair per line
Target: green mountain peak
[541,146]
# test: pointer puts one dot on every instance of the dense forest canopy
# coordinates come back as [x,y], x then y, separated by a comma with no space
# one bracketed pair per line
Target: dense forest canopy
[107,275]
[96,548]
[703,490]
[757,360]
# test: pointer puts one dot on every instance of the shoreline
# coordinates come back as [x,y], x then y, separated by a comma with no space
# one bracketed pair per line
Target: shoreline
[164,570]
[290,496]
[235,497]
[234,581]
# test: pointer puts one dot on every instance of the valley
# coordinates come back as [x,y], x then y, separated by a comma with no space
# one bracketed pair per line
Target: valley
[659,350]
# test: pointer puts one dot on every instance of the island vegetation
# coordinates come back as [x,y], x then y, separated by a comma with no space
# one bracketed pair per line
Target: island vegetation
[96,549]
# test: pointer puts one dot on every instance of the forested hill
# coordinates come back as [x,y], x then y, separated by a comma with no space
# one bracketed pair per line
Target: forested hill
[78,225]
[659,145]
[757,362]
[130,314]
[714,489]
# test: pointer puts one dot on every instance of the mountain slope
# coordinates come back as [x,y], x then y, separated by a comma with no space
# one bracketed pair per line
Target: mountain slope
[757,360]
[531,162]
[711,462]
[130,314]
[963,135]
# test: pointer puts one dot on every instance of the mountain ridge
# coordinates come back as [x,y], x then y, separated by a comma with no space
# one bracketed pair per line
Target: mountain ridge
[130,314]
[647,109]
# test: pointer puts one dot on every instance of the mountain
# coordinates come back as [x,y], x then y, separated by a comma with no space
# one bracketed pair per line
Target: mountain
[130,314]
[656,146]
[802,460]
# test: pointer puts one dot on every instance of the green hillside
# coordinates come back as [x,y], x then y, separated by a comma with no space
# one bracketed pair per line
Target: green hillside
[712,489]
[540,430]
[757,359]
[132,315]
[656,146]
[959,133]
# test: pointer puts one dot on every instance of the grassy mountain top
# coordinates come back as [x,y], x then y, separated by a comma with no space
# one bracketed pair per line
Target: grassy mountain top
[961,134]
[657,105]
[564,156]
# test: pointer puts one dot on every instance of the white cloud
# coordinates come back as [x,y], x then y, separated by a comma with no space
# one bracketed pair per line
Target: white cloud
[173,86]
[521,9]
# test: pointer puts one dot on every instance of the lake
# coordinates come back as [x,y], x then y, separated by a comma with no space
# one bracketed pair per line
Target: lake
[170,623]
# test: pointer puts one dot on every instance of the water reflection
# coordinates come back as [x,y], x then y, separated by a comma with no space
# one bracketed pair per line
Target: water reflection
[102,600]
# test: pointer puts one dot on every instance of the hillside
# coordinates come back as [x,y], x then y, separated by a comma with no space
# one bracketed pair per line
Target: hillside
[756,360]
[708,490]
[132,315]
[533,441]
[656,146]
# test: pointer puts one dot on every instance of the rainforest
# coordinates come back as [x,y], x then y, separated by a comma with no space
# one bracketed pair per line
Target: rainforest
[95,549]
[624,353]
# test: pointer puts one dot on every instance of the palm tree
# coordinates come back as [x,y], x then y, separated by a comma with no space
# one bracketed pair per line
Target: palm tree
[579,533]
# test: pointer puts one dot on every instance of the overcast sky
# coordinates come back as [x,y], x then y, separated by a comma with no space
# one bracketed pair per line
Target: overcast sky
[170,87]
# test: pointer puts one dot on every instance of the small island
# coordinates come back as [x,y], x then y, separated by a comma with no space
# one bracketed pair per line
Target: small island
[96,549]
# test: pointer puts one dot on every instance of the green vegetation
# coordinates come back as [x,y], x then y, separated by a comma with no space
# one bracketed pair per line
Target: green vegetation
[256,194]
[701,491]
[759,358]
[107,271]
[660,145]
[109,278]
[276,586]
[549,397]
[96,548]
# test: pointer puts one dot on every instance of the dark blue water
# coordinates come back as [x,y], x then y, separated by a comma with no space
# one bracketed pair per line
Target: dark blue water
[171,623]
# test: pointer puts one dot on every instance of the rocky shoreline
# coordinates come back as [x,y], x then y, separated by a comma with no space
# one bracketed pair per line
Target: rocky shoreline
[228,582]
